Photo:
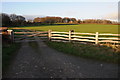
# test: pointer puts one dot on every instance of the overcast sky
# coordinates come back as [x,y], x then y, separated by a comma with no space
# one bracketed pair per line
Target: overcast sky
[79,10]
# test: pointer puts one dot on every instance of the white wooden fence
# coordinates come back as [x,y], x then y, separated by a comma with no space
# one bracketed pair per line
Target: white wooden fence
[97,38]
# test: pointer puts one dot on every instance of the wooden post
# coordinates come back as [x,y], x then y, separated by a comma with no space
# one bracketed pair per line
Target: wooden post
[49,34]
[11,34]
[70,36]
[96,36]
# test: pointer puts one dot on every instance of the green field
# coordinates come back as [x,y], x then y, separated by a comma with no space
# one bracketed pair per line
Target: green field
[87,28]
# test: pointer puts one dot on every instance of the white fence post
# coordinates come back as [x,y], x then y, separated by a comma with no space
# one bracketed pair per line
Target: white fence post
[70,36]
[11,34]
[49,34]
[96,38]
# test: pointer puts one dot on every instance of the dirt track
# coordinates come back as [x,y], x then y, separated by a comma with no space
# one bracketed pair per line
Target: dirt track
[49,63]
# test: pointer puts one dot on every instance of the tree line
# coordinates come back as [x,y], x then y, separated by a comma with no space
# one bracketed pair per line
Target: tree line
[51,20]
[18,20]
[12,20]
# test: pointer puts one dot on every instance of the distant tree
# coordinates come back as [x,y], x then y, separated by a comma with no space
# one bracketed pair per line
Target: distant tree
[79,21]
[73,20]
[17,20]
[5,19]
[42,20]
[107,22]
[97,21]
[20,20]
[65,20]
[37,19]
[48,20]
[13,17]
[51,20]
[58,20]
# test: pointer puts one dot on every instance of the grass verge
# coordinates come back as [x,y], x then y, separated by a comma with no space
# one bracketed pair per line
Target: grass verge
[101,53]
[8,52]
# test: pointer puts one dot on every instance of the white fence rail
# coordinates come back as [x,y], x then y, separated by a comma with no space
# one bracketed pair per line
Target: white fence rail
[96,38]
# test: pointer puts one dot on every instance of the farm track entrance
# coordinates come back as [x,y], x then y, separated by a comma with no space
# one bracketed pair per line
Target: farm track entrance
[110,40]
[49,63]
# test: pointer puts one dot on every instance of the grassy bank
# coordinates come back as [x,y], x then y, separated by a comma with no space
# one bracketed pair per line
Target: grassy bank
[8,53]
[101,53]
[87,28]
